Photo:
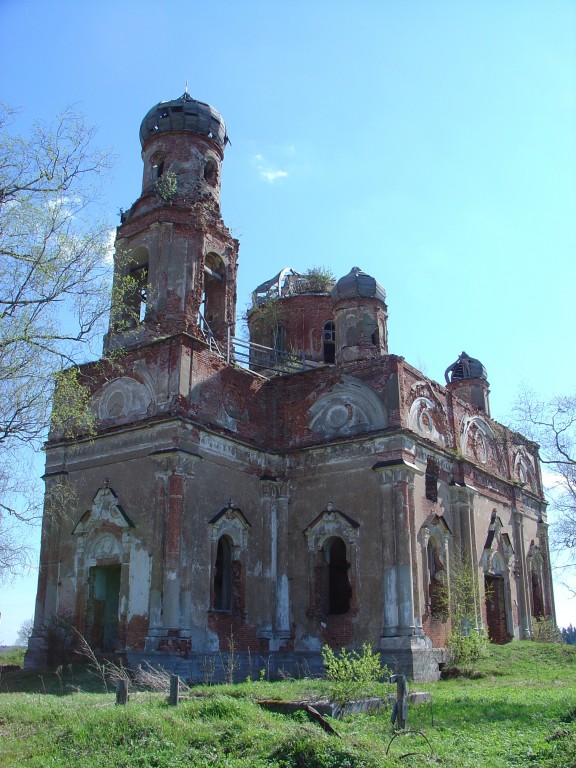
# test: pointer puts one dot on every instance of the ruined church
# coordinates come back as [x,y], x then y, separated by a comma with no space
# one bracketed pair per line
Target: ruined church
[272,495]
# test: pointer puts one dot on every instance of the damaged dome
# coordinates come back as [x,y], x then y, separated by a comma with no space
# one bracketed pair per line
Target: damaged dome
[184,114]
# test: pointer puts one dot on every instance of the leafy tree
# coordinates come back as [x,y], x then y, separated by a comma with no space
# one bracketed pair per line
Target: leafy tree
[25,632]
[54,291]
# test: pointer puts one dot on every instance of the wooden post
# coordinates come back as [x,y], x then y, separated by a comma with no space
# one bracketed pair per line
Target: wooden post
[122,692]
[174,696]
[400,709]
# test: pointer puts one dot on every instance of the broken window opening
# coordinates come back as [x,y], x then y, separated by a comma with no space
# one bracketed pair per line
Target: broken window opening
[431,480]
[157,165]
[329,342]
[211,172]
[223,575]
[339,587]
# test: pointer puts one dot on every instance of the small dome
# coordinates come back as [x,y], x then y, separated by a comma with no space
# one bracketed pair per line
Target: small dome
[465,367]
[358,284]
[184,114]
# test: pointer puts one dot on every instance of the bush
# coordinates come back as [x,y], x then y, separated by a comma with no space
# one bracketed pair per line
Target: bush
[353,674]
[545,631]
[467,648]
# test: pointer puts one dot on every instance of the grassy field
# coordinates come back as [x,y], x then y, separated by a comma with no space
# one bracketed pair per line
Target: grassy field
[522,712]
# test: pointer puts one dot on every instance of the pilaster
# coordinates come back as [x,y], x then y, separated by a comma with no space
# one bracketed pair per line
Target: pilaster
[397,500]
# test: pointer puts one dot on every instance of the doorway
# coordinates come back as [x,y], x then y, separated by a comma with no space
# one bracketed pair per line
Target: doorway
[104,595]
[496,609]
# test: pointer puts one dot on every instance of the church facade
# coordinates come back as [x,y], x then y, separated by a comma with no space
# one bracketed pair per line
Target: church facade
[267,498]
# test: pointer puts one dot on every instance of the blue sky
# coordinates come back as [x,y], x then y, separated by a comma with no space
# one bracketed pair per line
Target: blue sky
[432,143]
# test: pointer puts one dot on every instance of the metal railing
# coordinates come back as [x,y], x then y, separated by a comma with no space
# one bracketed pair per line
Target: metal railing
[264,361]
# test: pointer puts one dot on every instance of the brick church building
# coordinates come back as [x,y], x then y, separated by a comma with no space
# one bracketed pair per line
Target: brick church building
[300,489]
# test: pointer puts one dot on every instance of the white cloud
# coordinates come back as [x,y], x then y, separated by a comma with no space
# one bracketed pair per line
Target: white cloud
[267,170]
[272,176]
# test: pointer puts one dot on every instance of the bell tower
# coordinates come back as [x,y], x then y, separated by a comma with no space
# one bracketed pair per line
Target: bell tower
[175,260]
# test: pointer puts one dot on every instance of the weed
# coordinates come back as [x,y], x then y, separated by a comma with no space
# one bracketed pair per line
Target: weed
[352,674]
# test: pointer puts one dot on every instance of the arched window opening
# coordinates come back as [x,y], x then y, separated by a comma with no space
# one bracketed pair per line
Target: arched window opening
[339,588]
[138,293]
[132,284]
[223,575]
[213,307]
[436,586]
[432,480]
[329,342]
[211,172]
[537,597]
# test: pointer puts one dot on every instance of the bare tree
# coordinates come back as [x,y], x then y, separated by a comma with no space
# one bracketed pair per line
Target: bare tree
[552,424]
[54,289]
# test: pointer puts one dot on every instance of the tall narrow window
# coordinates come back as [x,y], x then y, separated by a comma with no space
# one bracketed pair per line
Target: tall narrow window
[436,591]
[537,600]
[280,338]
[339,589]
[223,575]
[432,480]
[329,342]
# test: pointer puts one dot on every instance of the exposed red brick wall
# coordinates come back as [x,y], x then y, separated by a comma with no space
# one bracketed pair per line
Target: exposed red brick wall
[136,631]
[303,317]
[338,632]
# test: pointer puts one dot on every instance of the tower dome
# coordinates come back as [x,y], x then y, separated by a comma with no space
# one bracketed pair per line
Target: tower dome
[465,367]
[360,316]
[184,114]
[358,284]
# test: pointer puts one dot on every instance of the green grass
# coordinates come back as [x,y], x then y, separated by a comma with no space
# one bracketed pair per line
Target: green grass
[521,713]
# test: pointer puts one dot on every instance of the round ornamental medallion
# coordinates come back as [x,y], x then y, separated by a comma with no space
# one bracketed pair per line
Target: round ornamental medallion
[115,404]
[337,416]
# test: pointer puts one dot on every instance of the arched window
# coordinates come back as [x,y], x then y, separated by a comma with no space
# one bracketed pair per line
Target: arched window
[432,480]
[338,582]
[223,575]
[329,342]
